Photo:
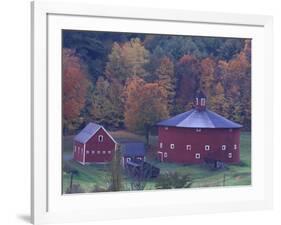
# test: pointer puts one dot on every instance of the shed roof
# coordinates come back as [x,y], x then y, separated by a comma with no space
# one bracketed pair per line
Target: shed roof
[199,119]
[133,149]
[87,132]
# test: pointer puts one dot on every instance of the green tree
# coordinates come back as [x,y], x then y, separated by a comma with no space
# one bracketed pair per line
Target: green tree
[127,60]
[107,108]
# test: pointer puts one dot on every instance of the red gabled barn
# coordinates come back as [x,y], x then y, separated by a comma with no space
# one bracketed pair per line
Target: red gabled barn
[93,145]
[197,135]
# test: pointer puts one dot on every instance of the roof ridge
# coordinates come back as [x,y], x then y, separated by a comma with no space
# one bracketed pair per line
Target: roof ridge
[205,119]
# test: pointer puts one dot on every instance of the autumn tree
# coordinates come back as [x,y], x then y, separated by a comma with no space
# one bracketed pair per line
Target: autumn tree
[145,105]
[208,76]
[75,85]
[188,73]
[236,74]
[127,60]
[167,80]
[217,101]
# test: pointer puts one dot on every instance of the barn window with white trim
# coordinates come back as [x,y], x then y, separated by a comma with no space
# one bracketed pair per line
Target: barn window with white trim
[188,147]
[230,155]
[207,147]
[235,146]
[198,130]
[165,154]
[223,147]
[203,101]
[100,138]
[161,145]
[172,146]
[197,156]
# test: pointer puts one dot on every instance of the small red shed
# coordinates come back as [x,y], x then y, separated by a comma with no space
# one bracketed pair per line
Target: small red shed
[197,135]
[93,145]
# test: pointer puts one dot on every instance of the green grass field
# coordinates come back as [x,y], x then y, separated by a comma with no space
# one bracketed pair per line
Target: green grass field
[97,175]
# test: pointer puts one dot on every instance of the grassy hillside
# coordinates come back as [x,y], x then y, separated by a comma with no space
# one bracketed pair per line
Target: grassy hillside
[97,176]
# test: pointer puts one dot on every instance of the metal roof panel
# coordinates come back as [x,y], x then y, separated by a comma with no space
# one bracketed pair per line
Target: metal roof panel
[85,134]
[199,119]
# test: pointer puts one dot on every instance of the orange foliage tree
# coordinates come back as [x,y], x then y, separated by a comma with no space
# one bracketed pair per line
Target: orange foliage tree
[145,105]
[75,84]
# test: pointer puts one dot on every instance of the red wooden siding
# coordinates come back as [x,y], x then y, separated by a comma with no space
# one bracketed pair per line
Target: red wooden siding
[98,151]
[78,151]
[215,138]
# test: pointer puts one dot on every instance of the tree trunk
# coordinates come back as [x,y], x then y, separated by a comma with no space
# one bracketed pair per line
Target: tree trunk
[147,132]
[71,179]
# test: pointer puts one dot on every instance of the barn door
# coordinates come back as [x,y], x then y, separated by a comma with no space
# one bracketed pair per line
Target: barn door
[160,156]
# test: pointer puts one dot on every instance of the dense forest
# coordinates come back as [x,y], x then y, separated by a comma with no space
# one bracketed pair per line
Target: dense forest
[132,81]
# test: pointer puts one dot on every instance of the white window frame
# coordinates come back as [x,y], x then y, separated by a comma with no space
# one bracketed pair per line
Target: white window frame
[108,152]
[75,148]
[166,128]
[188,147]
[235,147]
[207,147]
[128,159]
[161,145]
[197,155]
[100,138]
[93,152]
[103,152]
[87,152]
[230,155]
[203,101]
[98,152]
[223,147]
[165,155]
[172,146]
[198,129]
[197,101]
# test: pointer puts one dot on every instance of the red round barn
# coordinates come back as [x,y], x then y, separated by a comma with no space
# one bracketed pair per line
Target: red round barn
[197,135]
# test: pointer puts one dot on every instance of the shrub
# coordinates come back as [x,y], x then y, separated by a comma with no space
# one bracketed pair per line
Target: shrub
[76,188]
[173,180]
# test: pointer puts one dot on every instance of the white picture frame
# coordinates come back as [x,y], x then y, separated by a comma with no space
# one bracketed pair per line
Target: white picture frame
[48,205]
